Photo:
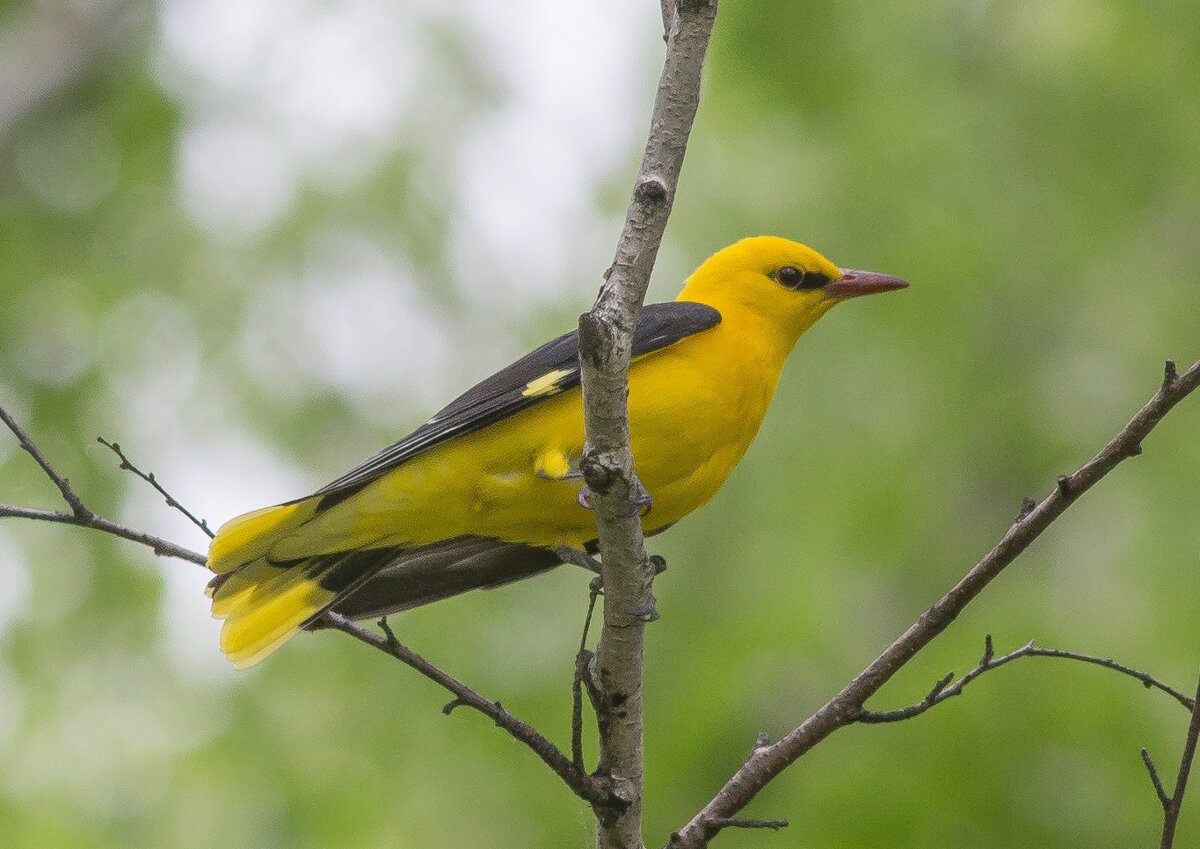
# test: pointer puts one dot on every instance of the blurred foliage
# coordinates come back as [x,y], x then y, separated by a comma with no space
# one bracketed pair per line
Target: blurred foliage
[250,241]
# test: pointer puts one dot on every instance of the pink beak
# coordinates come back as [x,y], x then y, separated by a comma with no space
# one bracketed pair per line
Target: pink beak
[855,283]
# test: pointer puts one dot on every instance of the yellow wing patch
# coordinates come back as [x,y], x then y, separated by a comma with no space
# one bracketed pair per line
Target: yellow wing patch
[552,464]
[547,384]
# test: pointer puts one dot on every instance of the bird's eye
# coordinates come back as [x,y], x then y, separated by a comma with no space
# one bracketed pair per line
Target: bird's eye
[793,278]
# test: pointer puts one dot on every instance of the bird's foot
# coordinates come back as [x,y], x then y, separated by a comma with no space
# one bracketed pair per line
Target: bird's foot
[648,612]
[641,501]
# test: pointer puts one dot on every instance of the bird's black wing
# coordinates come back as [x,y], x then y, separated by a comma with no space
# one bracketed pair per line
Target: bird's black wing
[548,371]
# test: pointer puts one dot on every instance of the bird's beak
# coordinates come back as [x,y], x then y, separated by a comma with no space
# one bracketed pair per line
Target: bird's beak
[855,283]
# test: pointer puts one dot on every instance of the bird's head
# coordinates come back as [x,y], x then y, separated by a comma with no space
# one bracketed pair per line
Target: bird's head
[781,284]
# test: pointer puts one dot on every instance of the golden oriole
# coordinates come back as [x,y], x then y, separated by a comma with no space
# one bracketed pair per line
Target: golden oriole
[485,491]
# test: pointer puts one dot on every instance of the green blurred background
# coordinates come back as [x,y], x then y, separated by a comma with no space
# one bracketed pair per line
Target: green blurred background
[256,241]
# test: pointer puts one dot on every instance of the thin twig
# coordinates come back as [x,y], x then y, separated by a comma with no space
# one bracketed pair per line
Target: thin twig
[82,513]
[590,789]
[734,822]
[846,707]
[717,824]
[583,662]
[160,546]
[944,690]
[1175,804]
[1159,790]
[149,478]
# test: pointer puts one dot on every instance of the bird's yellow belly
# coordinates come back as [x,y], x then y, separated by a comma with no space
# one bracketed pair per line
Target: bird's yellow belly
[689,426]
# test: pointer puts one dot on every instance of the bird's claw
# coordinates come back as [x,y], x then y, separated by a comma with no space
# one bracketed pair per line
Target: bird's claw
[642,501]
[648,612]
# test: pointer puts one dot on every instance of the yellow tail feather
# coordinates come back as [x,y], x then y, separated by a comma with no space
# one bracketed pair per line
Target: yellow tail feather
[251,535]
[262,604]
[264,609]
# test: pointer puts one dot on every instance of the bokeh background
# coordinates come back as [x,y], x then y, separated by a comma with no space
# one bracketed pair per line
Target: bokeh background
[255,240]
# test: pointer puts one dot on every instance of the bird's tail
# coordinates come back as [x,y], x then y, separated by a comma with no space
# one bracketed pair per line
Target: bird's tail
[264,601]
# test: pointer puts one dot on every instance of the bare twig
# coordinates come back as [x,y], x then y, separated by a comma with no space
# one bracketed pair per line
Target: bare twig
[1173,805]
[1159,790]
[583,674]
[718,824]
[80,515]
[160,546]
[846,707]
[149,478]
[734,822]
[944,690]
[591,789]
[605,338]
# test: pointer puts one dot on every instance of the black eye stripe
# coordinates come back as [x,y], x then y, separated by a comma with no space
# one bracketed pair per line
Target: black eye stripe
[791,277]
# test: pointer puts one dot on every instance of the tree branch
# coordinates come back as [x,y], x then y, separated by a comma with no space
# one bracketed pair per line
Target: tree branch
[846,707]
[605,338]
[1172,806]
[944,690]
[589,788]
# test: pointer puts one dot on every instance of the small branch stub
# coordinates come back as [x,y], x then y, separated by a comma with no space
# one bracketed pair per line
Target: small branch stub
[1170,375]
[650,191]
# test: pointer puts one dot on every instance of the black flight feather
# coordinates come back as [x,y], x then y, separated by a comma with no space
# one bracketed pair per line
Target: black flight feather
[378,582]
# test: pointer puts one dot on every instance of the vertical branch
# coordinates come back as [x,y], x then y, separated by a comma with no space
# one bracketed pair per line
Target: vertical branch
[1173,805]
[605,339]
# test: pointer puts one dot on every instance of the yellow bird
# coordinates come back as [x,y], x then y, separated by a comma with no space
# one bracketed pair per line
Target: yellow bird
[486,491]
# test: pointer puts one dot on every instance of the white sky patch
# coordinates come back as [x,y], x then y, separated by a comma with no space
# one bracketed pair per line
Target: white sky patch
[236,178]
[103,739]
[528,173]
[191,637]
[149,354]
[14,578]
[51,331]
[276,93]
[356,323]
